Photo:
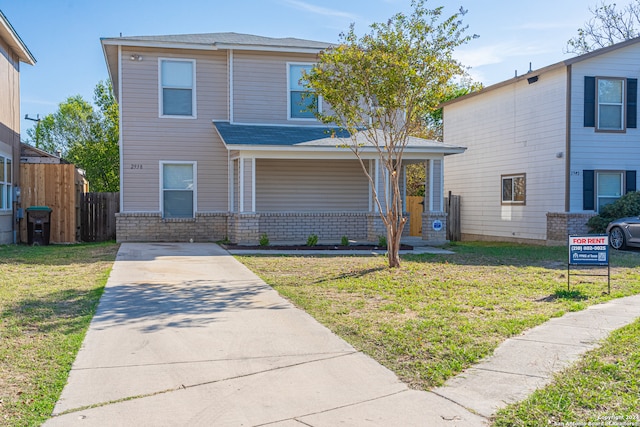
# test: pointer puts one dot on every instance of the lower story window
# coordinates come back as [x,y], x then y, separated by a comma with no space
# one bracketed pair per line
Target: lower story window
[513,189]
[178,189]
[609,187]
[5,183]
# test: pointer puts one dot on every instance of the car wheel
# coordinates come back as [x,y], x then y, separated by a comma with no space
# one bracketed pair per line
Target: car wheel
[617,239]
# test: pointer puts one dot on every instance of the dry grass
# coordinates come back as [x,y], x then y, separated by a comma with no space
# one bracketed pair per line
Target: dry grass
[439,314]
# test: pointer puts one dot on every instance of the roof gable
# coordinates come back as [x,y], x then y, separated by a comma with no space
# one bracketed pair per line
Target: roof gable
[557,65]
[214,41]
[11,37]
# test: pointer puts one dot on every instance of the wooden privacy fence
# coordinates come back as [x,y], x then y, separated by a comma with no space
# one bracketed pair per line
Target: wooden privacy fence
[58,186]
[452,207]
[98,216]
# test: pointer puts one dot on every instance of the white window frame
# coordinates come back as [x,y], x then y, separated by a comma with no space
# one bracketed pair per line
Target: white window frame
[289,117]
[6,189]
[512,177]
[622,104]
[609,196]
[194,103]
[194,164]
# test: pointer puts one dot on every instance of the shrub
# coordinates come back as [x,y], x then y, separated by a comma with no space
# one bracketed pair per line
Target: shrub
[625,206]
[264,240]
[344,241]
[382,241]
[312,240]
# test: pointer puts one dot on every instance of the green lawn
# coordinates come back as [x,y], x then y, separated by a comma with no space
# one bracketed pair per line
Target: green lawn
[48,295]
[439,314]
[602,389]
[426,321]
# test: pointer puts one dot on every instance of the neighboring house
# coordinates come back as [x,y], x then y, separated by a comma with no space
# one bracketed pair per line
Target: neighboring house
[12,52]
[215,144]
[31,154]
[546,150]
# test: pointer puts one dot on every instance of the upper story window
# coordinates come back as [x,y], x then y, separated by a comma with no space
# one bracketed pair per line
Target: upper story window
[5,183]
[303,103]
[177,88]
[514,189]
[610,103]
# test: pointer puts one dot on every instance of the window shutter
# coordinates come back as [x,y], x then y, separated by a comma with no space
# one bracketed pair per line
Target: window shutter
[632,102]
[588,191]
[630,181]
[589,102]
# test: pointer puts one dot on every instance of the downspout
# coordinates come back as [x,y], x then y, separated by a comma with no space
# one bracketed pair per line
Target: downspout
[567,171]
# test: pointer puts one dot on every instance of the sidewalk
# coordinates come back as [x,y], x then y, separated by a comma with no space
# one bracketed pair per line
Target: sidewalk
[186,336]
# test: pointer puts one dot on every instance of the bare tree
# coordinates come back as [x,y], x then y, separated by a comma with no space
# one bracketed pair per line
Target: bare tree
[607,26]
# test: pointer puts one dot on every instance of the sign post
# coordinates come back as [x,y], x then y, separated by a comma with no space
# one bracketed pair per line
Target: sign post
[591,249]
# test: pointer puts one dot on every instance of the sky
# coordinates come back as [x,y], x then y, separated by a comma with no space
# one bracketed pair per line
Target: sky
[64,35]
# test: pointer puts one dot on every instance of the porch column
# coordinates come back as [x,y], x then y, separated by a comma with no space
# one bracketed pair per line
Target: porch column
[375,226]
[247,184]
[434,219]
[245,225]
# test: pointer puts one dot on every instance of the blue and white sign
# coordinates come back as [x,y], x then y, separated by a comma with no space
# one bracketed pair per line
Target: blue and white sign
[437,225]
[589,250]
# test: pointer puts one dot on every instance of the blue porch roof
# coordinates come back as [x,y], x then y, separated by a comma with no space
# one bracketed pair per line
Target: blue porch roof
[233,134]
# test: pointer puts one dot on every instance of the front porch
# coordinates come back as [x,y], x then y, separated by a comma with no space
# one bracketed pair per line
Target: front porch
[316,185]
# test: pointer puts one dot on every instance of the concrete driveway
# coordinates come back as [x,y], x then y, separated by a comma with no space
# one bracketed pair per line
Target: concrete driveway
[187,336]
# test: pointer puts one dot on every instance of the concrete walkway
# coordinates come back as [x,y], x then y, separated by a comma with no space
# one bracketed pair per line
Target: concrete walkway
[186,336]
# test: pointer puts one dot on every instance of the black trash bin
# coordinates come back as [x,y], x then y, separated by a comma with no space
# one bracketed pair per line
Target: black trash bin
[38,225]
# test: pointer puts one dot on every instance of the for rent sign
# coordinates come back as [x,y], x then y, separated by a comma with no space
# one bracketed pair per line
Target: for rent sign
[589,250]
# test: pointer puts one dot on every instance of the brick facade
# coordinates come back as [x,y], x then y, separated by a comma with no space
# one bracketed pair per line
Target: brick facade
[247,228]
[151,227]
[297,226]
[561,224]
[429,233]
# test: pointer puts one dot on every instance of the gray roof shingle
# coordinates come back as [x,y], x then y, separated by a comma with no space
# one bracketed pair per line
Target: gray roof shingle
[306,136]
[274,135]
[236,39]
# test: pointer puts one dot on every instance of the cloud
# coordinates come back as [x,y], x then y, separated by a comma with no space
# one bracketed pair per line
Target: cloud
[497,53]
[318,10]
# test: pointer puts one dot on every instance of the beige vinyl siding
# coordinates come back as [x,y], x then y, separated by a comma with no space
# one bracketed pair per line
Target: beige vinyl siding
[9,99]
[518,128]
[310,185]
[260,87]
[148,139]
[9,127]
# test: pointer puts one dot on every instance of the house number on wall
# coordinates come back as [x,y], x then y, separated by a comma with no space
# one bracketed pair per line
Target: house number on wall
[136,166]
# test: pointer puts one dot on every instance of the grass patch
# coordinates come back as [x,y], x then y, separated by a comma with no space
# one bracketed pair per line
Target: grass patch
[48,295]
[439,314]
[602,389]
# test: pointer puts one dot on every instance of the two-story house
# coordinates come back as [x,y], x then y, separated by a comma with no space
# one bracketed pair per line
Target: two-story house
[218,139]
[546,150]
[13,51]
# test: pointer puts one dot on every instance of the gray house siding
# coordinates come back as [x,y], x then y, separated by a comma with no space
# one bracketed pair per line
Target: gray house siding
[148,139]
[260,87]
[311,186]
